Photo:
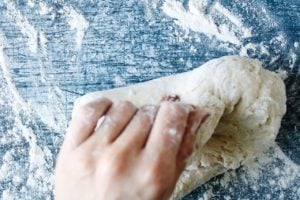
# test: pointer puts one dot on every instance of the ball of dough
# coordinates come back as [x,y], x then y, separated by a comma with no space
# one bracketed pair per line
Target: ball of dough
[246,103]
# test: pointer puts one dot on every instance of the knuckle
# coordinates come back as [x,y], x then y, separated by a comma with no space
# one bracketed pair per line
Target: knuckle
[84,162]
[115,164]
[92,108]
[105,100]
[148,112]
[126,104]
[94,103]
[176,109]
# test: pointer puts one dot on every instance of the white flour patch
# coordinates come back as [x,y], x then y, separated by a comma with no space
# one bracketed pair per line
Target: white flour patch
[273,166]
[44,9]
[37,41]
[37,173]
[293,58]
[195,18]
[5,66]
[31,3]
[43,44]
[78,23]
[229,32]
[119,81]
[282,73]
[207,195]
[34,39]
[173,132]
[150,5]
[24,25]
[252,47]
[148,13]
[132,70]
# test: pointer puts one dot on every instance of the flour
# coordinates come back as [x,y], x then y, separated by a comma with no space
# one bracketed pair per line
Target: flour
[293,59]
[78,23]
[25,27]
[272,165]
[31,3]
[37,172]
[207,195]
[196,20]
[173,132]
[5,65]
[119,81]
[44,9]
[251,48]
[228,31]
[27,160]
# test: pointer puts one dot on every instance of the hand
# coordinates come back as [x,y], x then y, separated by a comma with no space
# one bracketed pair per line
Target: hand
[131,154]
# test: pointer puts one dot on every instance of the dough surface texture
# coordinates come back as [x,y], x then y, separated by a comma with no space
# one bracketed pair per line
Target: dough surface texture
[246,103]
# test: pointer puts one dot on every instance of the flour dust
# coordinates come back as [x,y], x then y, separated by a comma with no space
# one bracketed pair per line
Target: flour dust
[27,160]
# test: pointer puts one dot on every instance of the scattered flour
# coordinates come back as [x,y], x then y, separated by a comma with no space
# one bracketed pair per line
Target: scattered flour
[196,19]
[25,27]
[37,172]
[199,16]
[132,70]
[283,74]
[5,66]
[31,3]
[44,9]
[119,81]
[78,23]
[35,167]
[293,58]
[207,195]
[228,30]
[271,166]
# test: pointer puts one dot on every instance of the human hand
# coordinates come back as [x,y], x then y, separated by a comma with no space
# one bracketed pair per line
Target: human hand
[131,154]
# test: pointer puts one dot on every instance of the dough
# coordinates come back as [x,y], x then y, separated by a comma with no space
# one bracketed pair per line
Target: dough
[246,103]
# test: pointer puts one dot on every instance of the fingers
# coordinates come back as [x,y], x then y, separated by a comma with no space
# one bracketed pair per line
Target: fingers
[136,133]
[196,118]
[168,130]
[172,134]
[84,121]
[114,122]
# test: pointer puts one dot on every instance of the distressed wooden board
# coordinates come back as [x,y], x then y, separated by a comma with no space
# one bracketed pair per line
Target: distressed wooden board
[125,42]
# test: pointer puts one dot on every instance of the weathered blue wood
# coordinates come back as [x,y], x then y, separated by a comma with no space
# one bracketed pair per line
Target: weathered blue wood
[123,46]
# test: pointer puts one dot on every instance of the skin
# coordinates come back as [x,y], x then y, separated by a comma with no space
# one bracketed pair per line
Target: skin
[133,153]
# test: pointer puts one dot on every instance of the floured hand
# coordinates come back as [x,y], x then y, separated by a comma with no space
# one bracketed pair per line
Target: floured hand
[123,152]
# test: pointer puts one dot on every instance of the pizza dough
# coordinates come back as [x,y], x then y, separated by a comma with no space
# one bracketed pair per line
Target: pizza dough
[246,103]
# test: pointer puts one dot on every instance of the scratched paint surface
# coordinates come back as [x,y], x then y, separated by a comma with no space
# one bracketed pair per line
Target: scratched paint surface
[52,52]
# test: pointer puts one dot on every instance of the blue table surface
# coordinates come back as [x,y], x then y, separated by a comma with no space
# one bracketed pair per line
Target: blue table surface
[122,45]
